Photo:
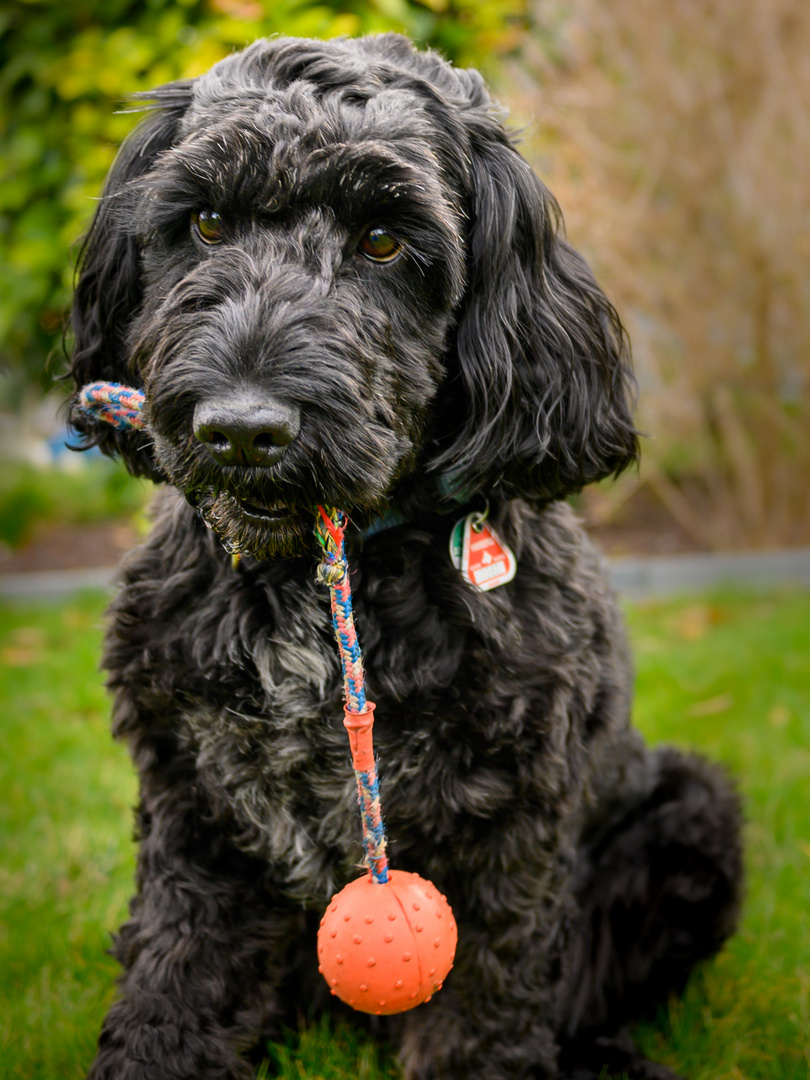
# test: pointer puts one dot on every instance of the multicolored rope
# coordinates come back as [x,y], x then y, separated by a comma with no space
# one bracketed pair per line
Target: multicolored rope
[119,405]
[333,571]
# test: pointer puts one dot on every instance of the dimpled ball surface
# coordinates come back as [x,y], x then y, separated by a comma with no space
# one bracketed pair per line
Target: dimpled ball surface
[387,948]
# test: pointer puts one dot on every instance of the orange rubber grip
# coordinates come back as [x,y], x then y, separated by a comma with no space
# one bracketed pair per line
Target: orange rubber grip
[358,726]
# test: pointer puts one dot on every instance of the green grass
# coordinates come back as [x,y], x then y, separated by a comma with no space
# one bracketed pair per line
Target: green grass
[728,676]
[732,677]
[90,489]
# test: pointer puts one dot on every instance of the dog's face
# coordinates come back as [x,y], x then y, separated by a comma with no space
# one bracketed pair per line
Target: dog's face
[336,279]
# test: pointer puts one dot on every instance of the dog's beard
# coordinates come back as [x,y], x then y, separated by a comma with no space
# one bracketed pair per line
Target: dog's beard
[270,517]
[274,530]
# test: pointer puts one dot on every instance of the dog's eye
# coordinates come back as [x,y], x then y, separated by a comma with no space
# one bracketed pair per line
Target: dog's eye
[209,226]
[379,245]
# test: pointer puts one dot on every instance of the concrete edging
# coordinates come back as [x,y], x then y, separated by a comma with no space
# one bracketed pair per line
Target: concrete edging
[54,584]
[641,576]
[634,576]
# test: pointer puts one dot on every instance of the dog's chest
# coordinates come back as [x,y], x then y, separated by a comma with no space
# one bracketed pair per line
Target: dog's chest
[279,758]
[288,786]
[275,753]
[479,704]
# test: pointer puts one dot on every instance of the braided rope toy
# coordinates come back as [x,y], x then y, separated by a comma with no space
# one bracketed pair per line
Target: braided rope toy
[381,950]
[358,712]
[118,405]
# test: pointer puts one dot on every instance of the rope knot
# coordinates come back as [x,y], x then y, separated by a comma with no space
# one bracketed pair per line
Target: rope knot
[332,571]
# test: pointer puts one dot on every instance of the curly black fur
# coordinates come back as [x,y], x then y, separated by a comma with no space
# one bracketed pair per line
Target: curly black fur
[587,874]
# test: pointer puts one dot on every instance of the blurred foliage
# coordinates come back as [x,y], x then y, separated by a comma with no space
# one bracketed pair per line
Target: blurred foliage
[66,68]
[32,498]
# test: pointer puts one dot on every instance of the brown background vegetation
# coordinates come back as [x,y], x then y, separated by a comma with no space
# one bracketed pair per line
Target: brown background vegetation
[677,139]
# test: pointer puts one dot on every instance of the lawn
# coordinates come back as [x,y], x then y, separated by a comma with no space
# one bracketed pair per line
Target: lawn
[729,675]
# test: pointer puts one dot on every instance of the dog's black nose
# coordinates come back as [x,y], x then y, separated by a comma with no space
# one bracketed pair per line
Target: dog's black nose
[246,430]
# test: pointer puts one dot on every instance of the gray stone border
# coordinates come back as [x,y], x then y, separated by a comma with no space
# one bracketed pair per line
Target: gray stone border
[47,585]
[642,576]
[634,576]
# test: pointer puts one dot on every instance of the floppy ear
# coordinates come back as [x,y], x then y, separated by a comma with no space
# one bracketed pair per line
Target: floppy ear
[541,394]
[108,281]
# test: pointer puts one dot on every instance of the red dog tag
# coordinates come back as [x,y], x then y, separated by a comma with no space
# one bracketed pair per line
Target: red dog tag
[480,554]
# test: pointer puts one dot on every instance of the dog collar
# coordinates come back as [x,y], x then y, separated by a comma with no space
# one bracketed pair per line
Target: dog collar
[391,520]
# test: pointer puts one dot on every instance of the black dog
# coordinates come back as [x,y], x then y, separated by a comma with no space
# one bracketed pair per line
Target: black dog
[339,283]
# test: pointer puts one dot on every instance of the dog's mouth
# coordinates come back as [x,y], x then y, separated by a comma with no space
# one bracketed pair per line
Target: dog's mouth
[274,512]
[254,525]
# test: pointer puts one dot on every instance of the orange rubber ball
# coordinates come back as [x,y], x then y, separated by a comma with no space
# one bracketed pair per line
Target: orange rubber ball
[387,948]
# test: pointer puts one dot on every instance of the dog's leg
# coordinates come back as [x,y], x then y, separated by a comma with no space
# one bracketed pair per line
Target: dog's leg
[203,952]
[661,890]
[492,1021]
[498,1015]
